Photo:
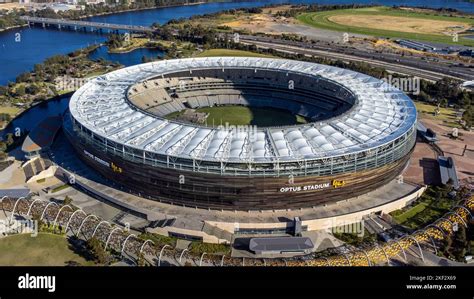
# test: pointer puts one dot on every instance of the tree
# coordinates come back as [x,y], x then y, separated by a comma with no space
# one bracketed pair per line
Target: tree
[94,246]
[67,200]
[5,117]
[443,103]
[9,139]
[3,91]
[20,90]
[23,77]
[32,89]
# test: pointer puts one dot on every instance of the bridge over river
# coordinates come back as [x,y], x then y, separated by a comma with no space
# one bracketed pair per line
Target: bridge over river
[77,25]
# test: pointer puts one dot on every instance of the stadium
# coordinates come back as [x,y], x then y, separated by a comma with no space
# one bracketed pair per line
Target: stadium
[355,133]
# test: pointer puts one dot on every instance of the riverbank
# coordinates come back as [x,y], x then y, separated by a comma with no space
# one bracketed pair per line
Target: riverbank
[142,9]
[13,27]
[57,76]
[119,12]
[135,43]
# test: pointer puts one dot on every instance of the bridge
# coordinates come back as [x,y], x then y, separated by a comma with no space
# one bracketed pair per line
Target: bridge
[78,25]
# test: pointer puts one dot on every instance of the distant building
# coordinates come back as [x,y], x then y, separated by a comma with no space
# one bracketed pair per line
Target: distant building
[95,1]
[468,84]
[416,45]
[467,53]
[61,7]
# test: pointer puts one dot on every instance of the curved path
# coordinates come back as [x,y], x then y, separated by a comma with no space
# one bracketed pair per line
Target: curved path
[122,241]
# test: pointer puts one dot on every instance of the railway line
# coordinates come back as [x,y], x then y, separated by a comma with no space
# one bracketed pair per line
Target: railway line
[423,70]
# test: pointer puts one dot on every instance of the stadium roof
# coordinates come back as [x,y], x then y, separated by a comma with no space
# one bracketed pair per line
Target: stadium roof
[380,115]
[280,244]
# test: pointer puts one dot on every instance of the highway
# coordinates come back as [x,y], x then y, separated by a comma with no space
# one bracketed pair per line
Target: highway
[411,66]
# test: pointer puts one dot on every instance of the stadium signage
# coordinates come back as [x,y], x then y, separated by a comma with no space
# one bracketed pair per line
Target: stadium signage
[114,167]
[97,159]
[305,188]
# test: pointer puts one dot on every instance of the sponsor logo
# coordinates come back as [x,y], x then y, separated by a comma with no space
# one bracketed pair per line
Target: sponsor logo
[112,165]
[115,168]
[338,183]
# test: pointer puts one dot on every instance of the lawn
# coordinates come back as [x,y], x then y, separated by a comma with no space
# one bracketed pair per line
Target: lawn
[446,115]
[62,187]
[411,212]
[228,52]
[240,115]
[12,111]
[42,250]
[390,23]
[431,206]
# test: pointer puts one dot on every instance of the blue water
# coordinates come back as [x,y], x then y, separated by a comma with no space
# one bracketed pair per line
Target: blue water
[36,44]
[163,15]
[33,116]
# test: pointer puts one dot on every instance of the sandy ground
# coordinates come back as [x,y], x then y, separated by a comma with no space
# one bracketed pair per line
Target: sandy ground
[265,23]
[403,24]
[9,6]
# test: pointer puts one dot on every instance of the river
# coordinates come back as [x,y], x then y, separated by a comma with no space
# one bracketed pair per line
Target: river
[36,44]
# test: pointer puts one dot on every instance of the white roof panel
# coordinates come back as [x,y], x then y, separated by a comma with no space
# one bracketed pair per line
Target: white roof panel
[379,116]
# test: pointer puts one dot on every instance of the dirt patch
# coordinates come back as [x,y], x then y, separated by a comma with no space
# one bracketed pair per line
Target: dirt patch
[264,22]
[402,24]
[10,6]
[273,10]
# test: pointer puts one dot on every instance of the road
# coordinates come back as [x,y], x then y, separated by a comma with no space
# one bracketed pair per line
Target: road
[412,66]
[83,24]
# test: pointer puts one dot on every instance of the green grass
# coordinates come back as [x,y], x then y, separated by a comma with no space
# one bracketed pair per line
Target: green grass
[431,206]
[401,218]
[200,248]
[446,115]
[321,20]
[355,239]
[228,52]
[62,187]
[12,111]
[42,250]
[240,115]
